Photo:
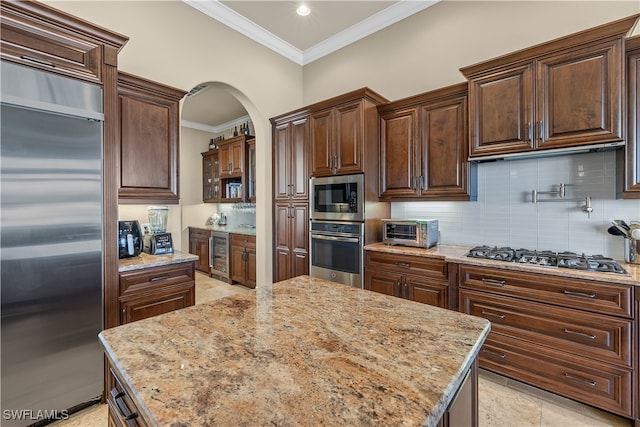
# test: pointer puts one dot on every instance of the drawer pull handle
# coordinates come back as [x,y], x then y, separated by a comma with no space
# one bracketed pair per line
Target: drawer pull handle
[117,397]
[569,331]
[156,279]
[580,380]
[403,264]
[494,282]
[494,353]
[488,313]
[579,294]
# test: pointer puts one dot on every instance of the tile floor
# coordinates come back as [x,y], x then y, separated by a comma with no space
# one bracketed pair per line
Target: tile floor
[503,402]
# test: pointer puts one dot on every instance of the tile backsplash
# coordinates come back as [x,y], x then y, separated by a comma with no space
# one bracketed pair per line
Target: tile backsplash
[505,216]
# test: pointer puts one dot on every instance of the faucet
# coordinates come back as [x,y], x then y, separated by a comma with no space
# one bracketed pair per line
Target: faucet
[587,206]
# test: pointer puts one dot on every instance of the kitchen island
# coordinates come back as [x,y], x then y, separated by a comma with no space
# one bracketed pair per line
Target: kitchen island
[299,352]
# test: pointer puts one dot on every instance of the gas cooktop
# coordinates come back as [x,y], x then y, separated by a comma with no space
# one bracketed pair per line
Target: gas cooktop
[571,260]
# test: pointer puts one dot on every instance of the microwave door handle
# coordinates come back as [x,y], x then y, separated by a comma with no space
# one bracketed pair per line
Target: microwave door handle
[336,239]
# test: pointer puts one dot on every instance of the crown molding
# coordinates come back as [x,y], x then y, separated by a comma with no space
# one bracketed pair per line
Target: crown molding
[386,17]
[372,24]
[221,128]
[234,20]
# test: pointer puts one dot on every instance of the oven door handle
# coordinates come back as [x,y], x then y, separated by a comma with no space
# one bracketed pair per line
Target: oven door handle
[336,239]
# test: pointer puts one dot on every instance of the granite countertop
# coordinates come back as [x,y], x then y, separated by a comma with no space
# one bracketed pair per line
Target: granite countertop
[235,229]
[458,254]
[145,260]
[304,351]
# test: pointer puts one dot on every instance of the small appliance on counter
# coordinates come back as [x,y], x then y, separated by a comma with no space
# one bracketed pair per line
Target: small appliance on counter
[420,233]
[129,239]
[158,242]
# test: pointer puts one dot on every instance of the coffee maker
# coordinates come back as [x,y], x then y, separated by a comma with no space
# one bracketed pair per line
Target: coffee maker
[129,239]
[158,242]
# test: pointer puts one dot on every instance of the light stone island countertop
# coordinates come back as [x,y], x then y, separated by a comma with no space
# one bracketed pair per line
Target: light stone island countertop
[458,254]
[145,260]
[304,351]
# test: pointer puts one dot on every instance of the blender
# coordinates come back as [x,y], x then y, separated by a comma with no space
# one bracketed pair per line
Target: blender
[158,241]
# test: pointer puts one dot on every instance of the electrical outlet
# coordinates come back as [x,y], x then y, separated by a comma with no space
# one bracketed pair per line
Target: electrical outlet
[146,228]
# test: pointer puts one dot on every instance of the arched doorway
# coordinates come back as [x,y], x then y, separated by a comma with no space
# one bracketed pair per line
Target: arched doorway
[216,109]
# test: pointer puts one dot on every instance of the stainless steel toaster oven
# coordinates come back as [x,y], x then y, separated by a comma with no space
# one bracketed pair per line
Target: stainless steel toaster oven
[422,233]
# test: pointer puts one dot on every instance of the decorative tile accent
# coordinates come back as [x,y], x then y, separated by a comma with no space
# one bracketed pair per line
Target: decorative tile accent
[505,216]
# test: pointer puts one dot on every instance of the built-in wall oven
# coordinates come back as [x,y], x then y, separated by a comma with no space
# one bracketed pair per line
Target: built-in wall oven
[339,198]
[336,251]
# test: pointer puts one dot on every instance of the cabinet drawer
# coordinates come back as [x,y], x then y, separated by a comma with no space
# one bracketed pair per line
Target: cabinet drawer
[148,278]
[590,382]
[421,266]
[196,233]
[595,296]
[244,240]
[122,410]
[595,336]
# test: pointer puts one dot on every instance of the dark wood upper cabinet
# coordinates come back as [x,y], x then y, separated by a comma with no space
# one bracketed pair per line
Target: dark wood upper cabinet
[41,37]
[210,177]
[399,163]
[341,132]
[235,173]
[149,119]
[251,170]
[291,159]
[424,147]
[502,111]
[564,93]
[631,162]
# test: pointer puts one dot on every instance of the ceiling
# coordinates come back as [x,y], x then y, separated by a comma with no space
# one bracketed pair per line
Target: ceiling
[330,26]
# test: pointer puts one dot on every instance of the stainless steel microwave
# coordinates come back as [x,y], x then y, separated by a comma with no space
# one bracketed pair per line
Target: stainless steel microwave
[422,233]
[337,198]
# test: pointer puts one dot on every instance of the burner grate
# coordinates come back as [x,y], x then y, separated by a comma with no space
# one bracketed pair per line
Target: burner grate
[569,260]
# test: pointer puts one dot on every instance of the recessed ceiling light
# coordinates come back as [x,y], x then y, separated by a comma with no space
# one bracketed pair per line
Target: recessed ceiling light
[303,10]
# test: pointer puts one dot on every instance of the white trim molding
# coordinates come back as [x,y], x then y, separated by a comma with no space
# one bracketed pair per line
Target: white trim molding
[215,129]
[386,17]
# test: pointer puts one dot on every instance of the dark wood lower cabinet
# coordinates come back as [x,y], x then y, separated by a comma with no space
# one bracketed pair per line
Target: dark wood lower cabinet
[291,240]
[122,410]
[199,245]
[415,278]
[243,260]
[573,337]
[463,409]
[156,290]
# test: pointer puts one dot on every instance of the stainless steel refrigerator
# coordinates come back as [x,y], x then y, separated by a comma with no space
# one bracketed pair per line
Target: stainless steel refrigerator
[50,244]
